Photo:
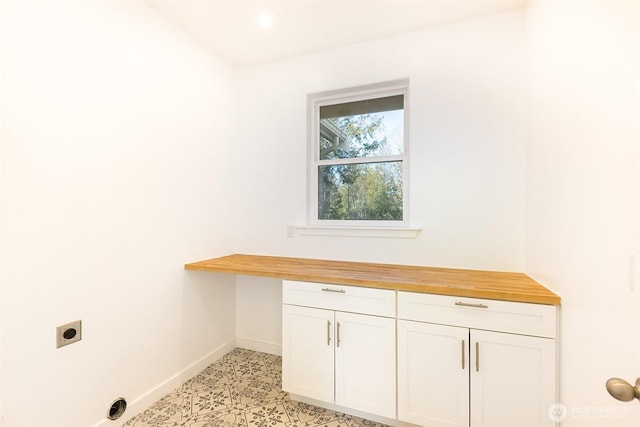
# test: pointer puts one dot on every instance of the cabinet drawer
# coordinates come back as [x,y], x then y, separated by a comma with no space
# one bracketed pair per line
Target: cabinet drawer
[354,299]
[493,315]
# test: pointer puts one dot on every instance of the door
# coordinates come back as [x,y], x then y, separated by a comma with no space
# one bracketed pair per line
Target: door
[307,352]
[433,374]
[512,380]
[366,363]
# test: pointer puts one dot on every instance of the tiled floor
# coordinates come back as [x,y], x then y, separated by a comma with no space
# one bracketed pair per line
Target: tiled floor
[241,389]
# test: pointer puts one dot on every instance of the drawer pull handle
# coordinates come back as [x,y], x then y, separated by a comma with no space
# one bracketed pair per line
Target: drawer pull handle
[340,291]
[328,332]
[338,334]
[477,357]
[466,304]
[462,354]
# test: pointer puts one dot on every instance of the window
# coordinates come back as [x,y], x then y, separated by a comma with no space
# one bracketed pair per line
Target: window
[358,156]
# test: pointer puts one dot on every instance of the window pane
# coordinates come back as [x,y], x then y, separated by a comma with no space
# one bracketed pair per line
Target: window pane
[366,106]
[369,128]
[364,191]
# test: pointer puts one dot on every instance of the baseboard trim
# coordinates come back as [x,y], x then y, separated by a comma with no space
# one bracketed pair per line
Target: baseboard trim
[145,401]
[261,346]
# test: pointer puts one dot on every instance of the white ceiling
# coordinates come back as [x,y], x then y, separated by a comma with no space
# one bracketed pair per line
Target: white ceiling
[230,27]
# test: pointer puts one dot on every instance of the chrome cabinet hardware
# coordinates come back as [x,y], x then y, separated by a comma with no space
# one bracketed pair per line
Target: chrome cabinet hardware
[463,354]
[338,334]
[466,304]
[328,332]
[622,390]
[339,291]
[477,357]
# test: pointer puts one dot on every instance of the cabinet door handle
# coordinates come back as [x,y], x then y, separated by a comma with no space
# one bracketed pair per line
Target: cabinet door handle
[328,332]
[477,357]
[338,334]
[462,354]
[339,291]
[466,304]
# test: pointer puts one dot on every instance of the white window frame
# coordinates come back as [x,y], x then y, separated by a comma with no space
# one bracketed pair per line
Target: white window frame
[358,227]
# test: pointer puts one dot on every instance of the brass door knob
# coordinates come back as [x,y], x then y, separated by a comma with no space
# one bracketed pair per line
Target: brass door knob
[622,390]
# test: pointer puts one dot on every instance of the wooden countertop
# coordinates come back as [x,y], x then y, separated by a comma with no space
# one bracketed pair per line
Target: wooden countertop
[503,286]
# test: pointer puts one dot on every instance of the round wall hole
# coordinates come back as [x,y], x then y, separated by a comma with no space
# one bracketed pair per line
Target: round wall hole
[117,408]
[69,333]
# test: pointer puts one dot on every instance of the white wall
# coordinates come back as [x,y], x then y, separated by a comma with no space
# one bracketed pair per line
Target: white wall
[467,144]
[114,168]
[259,314]
[467,147]
[583,194]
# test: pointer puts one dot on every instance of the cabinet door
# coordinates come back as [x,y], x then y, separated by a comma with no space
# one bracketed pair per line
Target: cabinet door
[512,380]
[366,363]
[307,352]
[433,374]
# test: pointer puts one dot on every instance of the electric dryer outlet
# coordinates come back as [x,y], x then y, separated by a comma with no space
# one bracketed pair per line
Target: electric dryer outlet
[68,333]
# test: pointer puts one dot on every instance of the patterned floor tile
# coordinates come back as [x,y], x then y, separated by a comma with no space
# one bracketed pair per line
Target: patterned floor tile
[211,401]
[242,389]
[268,415]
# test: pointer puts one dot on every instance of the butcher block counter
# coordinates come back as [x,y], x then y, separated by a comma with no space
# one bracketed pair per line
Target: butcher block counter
[503,286]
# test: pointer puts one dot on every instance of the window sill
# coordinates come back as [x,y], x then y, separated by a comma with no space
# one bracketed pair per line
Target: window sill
[353,231]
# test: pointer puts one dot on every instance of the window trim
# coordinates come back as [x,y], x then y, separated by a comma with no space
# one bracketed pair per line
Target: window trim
[355,231]
[316,226]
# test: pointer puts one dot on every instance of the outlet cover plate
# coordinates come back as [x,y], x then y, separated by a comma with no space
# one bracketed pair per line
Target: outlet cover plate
[68,333]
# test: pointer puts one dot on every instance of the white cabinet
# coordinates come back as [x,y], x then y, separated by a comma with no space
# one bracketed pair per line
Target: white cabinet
[339,356]
[457,374]
[433,374]
[512,380]
[365,363]
[460,362]
[307,352]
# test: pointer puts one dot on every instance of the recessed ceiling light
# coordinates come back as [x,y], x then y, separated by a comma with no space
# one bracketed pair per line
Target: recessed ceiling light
[265,20]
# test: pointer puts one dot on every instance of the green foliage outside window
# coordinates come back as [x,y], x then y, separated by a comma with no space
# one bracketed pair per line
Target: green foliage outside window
[359,190]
